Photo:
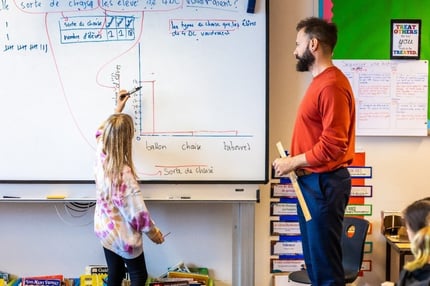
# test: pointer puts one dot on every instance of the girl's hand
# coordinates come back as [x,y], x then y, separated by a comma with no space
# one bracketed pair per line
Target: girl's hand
[121,99]
[156,235]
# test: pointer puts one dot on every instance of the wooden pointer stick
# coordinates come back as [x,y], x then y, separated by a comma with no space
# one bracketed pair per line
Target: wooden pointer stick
[293,179]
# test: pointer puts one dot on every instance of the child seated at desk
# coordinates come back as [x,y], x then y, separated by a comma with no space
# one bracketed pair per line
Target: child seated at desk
[417,222]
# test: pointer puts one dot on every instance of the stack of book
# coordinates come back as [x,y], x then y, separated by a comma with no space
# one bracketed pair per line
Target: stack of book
[176,282]
[169,282]
[181,275]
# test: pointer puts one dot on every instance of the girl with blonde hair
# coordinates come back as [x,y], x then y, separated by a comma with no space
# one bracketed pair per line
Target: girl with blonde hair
[417,222]
[121,216]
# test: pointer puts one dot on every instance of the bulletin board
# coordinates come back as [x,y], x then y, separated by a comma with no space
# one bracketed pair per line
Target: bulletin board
[200,116]
[367,38]
[391,96]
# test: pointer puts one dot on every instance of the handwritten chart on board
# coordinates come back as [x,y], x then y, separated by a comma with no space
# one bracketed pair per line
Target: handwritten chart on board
[391,96]
[201,112]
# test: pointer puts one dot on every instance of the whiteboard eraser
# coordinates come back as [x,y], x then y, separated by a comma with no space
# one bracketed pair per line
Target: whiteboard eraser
[55,197]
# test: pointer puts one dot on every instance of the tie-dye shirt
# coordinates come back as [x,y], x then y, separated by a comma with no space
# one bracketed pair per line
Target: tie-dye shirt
[119,220]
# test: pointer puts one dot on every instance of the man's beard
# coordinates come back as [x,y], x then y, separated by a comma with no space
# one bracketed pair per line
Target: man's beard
[305,61]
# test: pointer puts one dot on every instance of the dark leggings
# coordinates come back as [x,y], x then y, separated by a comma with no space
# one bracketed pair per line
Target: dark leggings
[118,267]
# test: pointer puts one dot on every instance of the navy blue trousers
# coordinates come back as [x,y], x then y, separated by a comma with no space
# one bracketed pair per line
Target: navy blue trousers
[326,195]
[118,267]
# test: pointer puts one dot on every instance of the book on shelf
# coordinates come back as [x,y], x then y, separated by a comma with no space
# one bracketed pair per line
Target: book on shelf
[71,281]
[4,276]
[15,282]
[170,282]
[51,280]
[96,269]
[201,278]
[92,279]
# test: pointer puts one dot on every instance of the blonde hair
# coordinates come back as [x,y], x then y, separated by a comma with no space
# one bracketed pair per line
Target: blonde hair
[117,145]
[420,248]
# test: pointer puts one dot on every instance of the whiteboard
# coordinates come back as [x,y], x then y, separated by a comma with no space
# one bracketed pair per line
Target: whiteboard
[391,96]
[201,115]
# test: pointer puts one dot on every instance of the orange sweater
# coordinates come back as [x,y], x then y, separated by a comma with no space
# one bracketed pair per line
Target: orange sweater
[325,125]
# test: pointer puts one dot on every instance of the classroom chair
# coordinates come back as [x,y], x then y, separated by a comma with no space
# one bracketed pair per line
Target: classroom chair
[353,240]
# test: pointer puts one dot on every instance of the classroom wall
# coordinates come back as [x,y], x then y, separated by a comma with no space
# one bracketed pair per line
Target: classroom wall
[55,238]
[399,164]
[286,87]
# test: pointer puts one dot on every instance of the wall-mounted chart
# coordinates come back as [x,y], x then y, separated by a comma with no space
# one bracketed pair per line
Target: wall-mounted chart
[391,96]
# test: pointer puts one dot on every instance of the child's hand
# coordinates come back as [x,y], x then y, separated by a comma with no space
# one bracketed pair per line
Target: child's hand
[156,235]
[121,99]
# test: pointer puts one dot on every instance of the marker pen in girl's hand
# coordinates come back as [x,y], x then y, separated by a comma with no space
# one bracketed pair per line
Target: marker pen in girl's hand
[130,92]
